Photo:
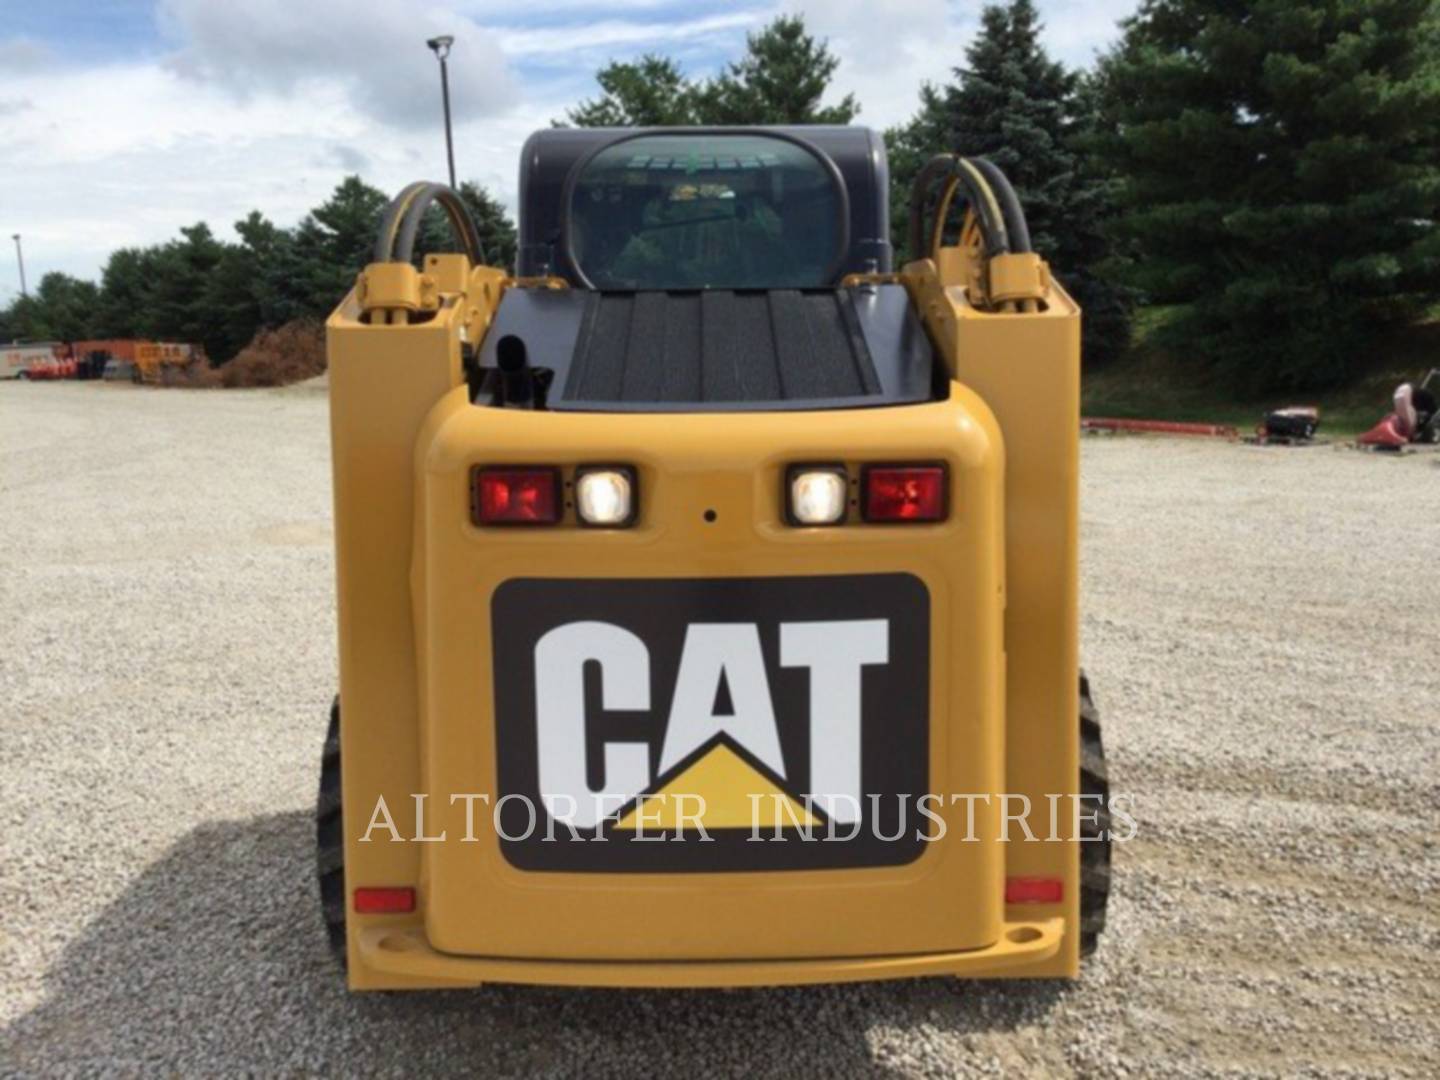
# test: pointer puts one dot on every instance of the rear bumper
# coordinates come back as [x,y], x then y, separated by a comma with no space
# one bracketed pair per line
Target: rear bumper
[400,957]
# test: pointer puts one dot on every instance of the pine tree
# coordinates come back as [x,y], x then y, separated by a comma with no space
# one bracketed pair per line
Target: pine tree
[334,242]
[908,146]
[62,308]
[1281,176]
[497,231]
[1027,113]
[197,288]
[176,298]
[780,79]
[650,92]
[126,288]
[241,291]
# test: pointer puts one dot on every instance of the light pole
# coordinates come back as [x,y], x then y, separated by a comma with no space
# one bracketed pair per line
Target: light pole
[441,48]
[20,258]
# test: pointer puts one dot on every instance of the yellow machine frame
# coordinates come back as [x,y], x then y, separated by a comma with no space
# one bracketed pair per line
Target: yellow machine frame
[413,574]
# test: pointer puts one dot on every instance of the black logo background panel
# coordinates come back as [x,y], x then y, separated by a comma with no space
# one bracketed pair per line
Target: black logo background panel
[894,715]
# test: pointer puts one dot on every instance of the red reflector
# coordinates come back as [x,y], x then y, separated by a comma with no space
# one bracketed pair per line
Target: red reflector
[517,496]
[384,901]
[1034,890]
[903,493]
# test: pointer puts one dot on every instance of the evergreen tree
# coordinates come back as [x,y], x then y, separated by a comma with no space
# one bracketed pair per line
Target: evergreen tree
[24,320]
[1281,175]
[1013,104]
[126,286]
[908,146]
[64,308]
[241,292]
[650,92]
[177,300]
[197,288]
[781,79]
[497,231]
[334,242]
[268,251]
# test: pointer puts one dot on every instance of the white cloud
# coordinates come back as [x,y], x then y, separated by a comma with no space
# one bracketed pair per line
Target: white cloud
[374,49]
[613,34]
[267,104]
[1076,30]
[127,154]
[883,65]
[887,51]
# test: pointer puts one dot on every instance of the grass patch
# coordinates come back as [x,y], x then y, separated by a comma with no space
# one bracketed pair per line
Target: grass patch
[1149,384]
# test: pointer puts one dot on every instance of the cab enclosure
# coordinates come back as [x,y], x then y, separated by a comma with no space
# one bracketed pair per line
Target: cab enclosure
[705,270]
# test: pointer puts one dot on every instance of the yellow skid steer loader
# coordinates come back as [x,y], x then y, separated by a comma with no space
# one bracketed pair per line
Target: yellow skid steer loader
[707,588]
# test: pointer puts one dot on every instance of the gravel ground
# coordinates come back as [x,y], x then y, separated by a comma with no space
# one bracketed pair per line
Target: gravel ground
[1260,625]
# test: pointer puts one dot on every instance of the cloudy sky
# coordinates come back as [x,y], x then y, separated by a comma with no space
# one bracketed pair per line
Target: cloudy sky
[121,120]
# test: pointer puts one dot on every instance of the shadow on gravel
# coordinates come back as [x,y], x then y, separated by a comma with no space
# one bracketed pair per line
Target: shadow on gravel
[214,958]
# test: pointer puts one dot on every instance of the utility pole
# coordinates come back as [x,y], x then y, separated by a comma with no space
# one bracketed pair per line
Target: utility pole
[440,46]
[20,258]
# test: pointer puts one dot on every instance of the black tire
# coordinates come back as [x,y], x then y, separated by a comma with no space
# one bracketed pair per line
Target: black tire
[330,840]
[1095,827]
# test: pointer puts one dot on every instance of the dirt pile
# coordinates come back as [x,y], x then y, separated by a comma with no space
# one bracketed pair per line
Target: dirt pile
[287,354]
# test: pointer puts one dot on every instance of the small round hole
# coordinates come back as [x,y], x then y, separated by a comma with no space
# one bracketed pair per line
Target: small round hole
[1023,935]
[710,515]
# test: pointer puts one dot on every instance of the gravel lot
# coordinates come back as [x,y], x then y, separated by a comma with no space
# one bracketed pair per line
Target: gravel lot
[1261,627]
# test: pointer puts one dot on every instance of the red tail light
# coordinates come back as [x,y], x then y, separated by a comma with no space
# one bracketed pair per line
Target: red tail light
[1034,890]
[384,901]
[903,493]
[511,495]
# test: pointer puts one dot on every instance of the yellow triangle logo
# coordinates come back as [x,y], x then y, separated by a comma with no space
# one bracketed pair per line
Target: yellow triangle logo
[720,791]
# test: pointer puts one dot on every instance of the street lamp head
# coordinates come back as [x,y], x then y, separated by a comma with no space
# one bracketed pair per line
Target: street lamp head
[441,45]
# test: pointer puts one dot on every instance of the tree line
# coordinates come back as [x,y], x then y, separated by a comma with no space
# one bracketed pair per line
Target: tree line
[198,288]
[1268,171]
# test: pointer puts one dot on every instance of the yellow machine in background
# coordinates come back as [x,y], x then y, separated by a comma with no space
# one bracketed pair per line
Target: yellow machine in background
[155,361]
[707,591]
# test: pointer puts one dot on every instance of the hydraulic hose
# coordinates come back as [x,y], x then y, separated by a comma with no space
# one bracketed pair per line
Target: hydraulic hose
[403,217]
[958,173]
[390,222]
[992,210]
[461,223]
[1015,223]
[937,166]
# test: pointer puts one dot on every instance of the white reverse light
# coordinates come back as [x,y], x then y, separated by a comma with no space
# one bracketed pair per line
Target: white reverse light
[605,496]
[817,496]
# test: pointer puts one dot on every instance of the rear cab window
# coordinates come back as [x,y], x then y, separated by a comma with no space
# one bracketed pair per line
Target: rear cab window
[706,211]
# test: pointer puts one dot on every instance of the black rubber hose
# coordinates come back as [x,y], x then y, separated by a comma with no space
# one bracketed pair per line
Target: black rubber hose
[939,165]
[1015,223]
[461,223]
[994,231]
[390,222]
